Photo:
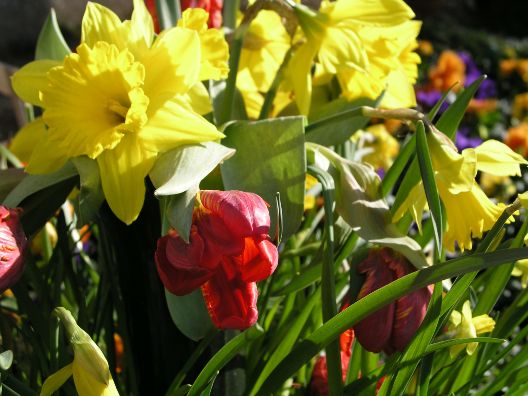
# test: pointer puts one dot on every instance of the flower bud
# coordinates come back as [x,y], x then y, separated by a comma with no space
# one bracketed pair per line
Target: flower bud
[12,245]
[391,328]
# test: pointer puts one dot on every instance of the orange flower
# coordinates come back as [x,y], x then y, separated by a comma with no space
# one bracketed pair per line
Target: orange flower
[520,106]
[449,69]
[517,139]
[482,105]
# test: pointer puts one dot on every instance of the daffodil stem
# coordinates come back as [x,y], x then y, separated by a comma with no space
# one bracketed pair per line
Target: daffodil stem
[333,357]
[272,91]
[4,152]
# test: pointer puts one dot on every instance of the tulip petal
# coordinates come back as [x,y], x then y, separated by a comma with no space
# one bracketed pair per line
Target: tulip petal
[178,263]
[373,332]
[232,304]
[245,214]
[12,245]
[258,260]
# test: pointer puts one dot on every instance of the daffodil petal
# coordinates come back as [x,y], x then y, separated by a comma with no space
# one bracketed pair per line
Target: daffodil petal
[46,156]
[88,385]
[31,79]
[399,92]
[102,24]
[340,47]
[142,26]
[171,63]
[299,75]
[123,171]
[376,12]
[498,159]
[198,98]
[56,380]
[27,139]
[175,124]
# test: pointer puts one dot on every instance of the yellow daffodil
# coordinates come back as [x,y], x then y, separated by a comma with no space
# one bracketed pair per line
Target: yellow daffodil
[337,37]
[121,99]
[90,369]
[464,325]
[521,269]
[379,146]
[469,211]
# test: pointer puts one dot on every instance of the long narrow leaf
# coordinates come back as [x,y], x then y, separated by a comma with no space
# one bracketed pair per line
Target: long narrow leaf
[308,348]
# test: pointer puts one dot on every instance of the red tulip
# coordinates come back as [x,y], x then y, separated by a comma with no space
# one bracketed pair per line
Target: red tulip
[228,251]
[319,380]
[213,7]
[391,328]
[12,245]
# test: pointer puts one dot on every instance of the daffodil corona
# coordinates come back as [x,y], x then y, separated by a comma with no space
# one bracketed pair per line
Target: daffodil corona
[121,99]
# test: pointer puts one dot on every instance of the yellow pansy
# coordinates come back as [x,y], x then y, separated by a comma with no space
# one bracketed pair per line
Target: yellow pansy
[334,39]
[90,370]
[468,210]
[121,99]
[464,325]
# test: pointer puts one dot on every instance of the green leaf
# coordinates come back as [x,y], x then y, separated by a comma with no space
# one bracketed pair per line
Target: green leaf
[91,194]
[395,171]
[179,210]
[189,314]
[429,183]
[316,341]
[50,42]
[33,183]
[270,157]
[222,357]
[450,120]
[6,360]
[400,380]
[168,12]
[9,178]
[288,341]
[335,122]
[182,168]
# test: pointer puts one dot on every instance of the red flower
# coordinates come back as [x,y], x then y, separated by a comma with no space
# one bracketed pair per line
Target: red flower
[228,251]
[319,381]
[391,328]
[12,245]
[213,7]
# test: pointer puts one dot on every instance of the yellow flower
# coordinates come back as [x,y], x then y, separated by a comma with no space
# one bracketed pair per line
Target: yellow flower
[337,37]
[121,99]
[89,368]
[469,211]
[381,145]
[464,325]
[521,269]
[392,66]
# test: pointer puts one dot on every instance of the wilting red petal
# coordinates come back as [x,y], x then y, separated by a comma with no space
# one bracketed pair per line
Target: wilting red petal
[179,263]
[218,238]
[374,332]
[258,260]
[232,304]
[409,314]
[12,245]
[245,214]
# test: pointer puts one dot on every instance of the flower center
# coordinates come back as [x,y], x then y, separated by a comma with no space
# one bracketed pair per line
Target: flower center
[94,98]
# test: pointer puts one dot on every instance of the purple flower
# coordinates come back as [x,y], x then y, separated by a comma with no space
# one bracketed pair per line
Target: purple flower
[464,140]
[488,88]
